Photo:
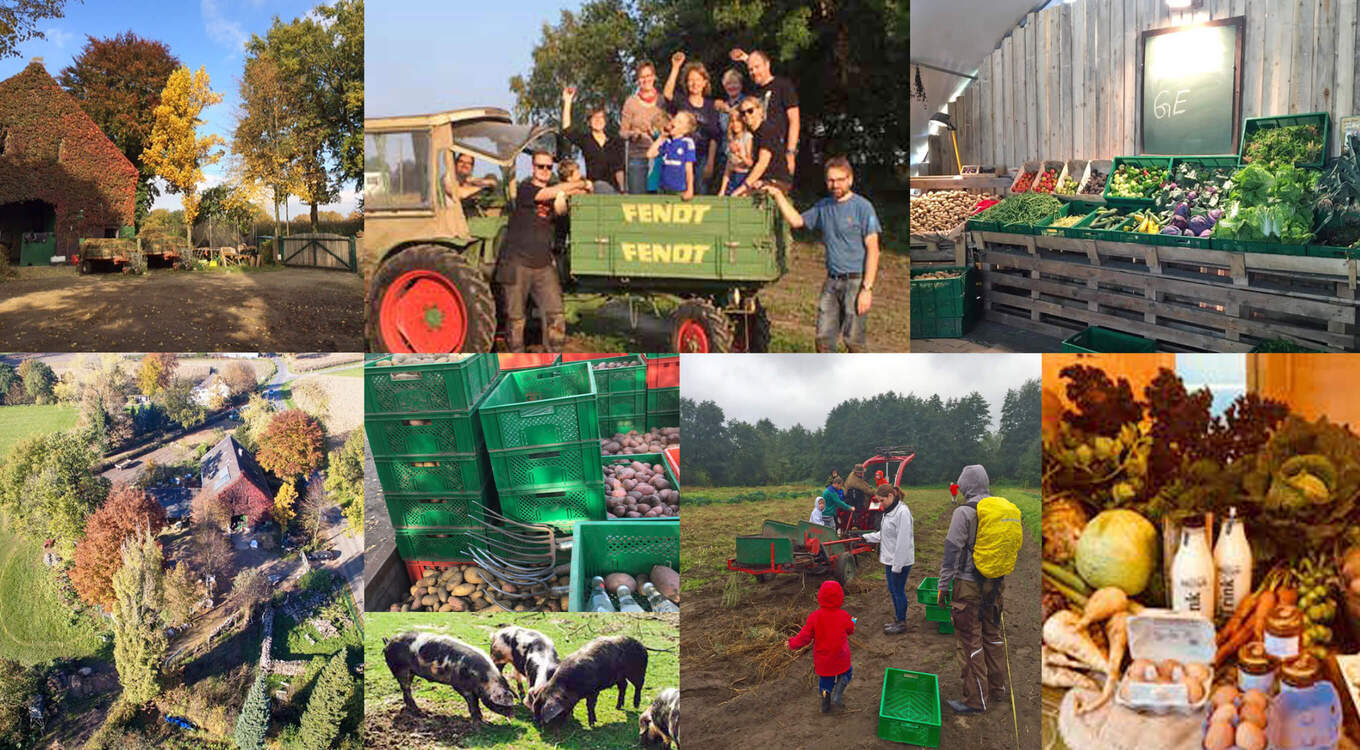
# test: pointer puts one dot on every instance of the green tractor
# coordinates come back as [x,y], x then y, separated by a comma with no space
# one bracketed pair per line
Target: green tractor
[427,262]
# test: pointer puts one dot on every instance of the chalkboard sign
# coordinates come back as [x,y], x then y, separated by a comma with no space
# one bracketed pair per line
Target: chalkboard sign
[1190,96]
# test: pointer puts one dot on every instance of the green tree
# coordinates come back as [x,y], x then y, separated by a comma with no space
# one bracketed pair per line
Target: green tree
[255,417]
[181,595]
[138,640]
[156,372]
[264,138]
[18,684]
[326,707]
[118,82]
[38,380]
[178,402]
[19,22]
[1021,420]
[345,478]
[8,379]
[47,488]
[253,721]
[175,152]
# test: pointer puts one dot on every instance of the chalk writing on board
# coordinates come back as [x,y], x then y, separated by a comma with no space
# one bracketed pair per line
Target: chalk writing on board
[1166,104]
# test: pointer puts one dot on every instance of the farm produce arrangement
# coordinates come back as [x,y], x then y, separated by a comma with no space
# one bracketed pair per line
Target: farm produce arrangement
[1212,555]
[1022,209]
[634,489]
[1338,199]
[1292,144]
[1067,186]
[467,588]
[1023,182]
[419,359]
[632,442]
[1046,181]
[1107,218]
[936,276]
[941,210]
[655,590]
[1066,221]
[1269,204]
[1129,181]
[1095,184]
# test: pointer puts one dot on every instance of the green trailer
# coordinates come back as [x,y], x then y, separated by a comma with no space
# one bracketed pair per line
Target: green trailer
[427,261]
[799,548]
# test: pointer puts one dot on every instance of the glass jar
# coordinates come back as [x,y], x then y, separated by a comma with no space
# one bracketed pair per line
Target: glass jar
[1284,630]
[1300,671]
[1255,668]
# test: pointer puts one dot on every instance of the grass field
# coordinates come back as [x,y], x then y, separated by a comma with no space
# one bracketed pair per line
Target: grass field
[445,723]
[34,623]
[351,372]
[19,422]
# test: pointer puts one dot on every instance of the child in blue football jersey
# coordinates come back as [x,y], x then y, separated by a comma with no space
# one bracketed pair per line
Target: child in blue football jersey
[677,155]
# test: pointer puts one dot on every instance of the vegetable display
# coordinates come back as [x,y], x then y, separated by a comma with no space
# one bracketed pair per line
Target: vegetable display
[941,210]
[1269,204]
[1292,144]
[1023,182]
[1129,181]
[1107,218]
[1338,202]
[1067,221]
[1047,180]
[1021,209]
[1066,186]
[1095,184]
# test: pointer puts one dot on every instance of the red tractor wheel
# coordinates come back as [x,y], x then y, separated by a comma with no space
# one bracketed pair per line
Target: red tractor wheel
[429,299]
[697,327]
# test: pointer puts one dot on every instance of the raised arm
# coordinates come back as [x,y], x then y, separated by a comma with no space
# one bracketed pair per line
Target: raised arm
[677,60]
[568,96]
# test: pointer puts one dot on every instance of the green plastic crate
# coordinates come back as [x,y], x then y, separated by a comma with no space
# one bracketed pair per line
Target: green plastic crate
[662,419]
[438,474]
[1098,339]
[1332,251]
[546,466]
[416,511]
[937,613]
[630,546]
[410,389]
[1155,162]
[942,298]
[1250,246]
[436,544]
[927,592]
[909,708]
[1044,230]
[646,458]
[758,550]
[543,406]
[424,434]
[610,426]
[663,399]
[942,328]
[1084,231]
[623,403]
[620,378]
[562,506]
[1322,120]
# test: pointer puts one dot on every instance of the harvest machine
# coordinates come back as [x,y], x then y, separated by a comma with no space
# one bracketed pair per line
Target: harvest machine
[799,548]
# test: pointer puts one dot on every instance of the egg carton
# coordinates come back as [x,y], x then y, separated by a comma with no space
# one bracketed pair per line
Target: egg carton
[1159,634]
[1237,703]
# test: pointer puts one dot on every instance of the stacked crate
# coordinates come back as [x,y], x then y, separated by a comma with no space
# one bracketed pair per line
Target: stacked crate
[541,428]
[622,394]
[663,390]
[426,438]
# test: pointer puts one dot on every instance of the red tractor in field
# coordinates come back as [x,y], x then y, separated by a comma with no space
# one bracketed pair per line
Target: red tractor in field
[886,467]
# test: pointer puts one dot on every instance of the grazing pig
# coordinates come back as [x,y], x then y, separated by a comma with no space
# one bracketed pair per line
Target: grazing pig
[530,653]
[604,662]
[441,658]
[660,723]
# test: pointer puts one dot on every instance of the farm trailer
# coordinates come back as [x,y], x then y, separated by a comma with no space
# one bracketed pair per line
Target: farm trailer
[427,262]
[114,253]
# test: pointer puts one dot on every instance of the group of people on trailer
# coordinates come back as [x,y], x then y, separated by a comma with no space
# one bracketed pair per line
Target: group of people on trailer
[975,602]
[686,144]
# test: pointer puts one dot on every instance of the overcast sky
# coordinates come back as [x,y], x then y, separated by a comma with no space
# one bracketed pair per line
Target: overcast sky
[791,389]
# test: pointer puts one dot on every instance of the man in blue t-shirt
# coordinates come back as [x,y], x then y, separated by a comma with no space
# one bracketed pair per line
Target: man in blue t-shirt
[849,228]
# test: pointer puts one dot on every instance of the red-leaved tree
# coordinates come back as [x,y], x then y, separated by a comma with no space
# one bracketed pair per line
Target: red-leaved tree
[98,556]
[292,445]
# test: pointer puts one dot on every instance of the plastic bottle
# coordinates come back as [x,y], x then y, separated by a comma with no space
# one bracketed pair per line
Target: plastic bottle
[1232,562]
[1306,715]
[659,603]
[599,600]
[1192,574]
[626,601]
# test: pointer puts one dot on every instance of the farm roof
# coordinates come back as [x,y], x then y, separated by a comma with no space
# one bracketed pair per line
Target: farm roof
[227,462]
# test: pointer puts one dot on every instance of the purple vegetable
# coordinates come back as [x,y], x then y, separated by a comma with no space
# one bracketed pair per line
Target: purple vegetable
[1198,224]
[1205,233]
[1215,214]
[1192,195]
[1182,209]
[1178,221]
[1171,230]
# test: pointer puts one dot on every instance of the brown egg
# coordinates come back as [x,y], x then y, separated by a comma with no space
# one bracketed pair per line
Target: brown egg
[1224,694]
[1256,698]
[1250,736]
[1218,737]
[1198,671]
[1224,714]
[1143,670]
[1194,689]
[1169,670]
[1254,714]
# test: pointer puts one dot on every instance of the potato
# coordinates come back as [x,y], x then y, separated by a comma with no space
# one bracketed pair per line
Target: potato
[457,605]
[614,580]
[1224,694]
[472,575]
[667,581]
[429,601]
[1250,736]
[463,589]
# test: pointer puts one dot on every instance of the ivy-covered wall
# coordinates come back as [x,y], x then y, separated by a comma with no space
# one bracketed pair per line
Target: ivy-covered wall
[53,152]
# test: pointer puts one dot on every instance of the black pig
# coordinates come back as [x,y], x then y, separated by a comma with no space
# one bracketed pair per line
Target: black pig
[660,723]
[614,660]
[530,653]
[441,658]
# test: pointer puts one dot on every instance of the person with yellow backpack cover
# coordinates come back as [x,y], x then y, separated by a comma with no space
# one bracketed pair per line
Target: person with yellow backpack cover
[980,550]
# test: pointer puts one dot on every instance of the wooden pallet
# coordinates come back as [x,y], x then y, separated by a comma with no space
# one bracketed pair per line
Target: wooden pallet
[1186,298]
[948,249]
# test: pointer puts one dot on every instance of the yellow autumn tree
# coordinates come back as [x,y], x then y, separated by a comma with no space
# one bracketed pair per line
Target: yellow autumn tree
[175,151]
[283,504]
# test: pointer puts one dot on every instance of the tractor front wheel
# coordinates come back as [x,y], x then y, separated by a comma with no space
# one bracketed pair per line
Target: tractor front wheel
[845,568]
[698,327]
[752,331]
[430,299]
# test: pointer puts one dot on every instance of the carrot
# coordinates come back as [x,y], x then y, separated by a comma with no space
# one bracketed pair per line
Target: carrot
[1288,595]
[1263,607]
[1247,604]
[1238,640]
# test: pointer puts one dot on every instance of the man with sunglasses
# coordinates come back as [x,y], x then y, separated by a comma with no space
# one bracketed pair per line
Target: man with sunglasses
[770,167]
[779,99]
[525,265]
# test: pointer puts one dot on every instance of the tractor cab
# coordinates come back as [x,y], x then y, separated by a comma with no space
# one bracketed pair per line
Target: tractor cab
[887,466]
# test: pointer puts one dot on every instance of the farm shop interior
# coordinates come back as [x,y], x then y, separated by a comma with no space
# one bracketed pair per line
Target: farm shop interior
[1201,550]
[1172,176]
[61,178]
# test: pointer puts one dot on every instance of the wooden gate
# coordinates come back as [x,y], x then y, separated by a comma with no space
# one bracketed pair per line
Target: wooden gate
[318,251]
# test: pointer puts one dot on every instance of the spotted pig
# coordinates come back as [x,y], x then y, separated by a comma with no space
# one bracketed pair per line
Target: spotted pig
[441,658]
[604,662]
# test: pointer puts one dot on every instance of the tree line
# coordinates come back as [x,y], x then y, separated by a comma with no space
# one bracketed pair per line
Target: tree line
[947,434]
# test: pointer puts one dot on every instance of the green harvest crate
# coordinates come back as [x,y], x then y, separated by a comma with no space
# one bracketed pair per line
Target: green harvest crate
[633,378]
[437,544]
[937,613]
[1087,214]
[1250,246]
[415,511]
[1044,230]
[546,466]
[438,474]
[760,550]
[424,434]
[630,546]
[543,406]
[623,403]
[1165,240]
[663,399]
[909,709]
[977,225]
[927,592]
[647,458]
[943,328]
[941,298]
[1332,251]
[1103,340]
[662,419]
[409,389]
[561,506]
[1321,120]
[1151,162]
[1083,230]
[610,426]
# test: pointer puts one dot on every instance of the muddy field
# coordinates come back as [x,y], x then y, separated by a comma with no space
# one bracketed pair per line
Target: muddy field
[740,680]
[291,309]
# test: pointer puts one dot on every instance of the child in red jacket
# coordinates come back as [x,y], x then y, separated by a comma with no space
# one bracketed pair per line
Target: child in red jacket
[828,629]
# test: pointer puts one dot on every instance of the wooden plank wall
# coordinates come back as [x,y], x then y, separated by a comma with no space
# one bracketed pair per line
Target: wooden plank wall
[1064,85]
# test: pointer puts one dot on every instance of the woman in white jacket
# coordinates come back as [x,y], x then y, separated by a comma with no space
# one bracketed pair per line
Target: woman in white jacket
[897,551]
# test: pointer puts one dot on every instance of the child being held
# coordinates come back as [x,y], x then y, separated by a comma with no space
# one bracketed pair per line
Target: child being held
[828,629]
[677,155]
